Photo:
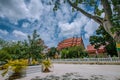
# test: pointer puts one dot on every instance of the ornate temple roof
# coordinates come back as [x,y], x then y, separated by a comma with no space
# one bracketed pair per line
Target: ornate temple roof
[70,42]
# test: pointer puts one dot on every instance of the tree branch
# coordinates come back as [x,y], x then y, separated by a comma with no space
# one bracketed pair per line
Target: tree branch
[95,18]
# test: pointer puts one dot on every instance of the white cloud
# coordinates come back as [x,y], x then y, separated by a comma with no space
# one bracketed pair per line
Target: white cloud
[74,28]
[90,28]
[3,32]
[13,9]
[19,34]
[52,26]
[35,9]
[69,29]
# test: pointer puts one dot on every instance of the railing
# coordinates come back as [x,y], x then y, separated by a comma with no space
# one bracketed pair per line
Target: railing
[89,60]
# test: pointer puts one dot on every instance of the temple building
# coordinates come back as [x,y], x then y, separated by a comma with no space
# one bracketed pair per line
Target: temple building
[75,41]
[70,42]
[96,52]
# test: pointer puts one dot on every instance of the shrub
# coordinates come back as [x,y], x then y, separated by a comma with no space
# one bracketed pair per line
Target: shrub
[34,62]
[4,56]
[17,66]
[46,65]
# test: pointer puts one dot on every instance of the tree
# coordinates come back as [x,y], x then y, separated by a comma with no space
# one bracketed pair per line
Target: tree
[110,22]
[3,43]
[52,52]
[74,52]
[15,50]
[27,49]
[35,46]
[103,38]
[64,53]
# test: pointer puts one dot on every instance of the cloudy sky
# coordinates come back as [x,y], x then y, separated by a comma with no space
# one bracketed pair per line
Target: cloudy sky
[18,18]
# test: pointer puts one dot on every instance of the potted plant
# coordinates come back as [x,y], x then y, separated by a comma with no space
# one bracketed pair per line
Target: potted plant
[46,65]
[18,68]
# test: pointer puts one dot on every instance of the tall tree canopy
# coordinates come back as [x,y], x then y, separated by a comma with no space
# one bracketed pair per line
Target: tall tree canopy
[16,49]
[111,8]
[30,48]
[35,46]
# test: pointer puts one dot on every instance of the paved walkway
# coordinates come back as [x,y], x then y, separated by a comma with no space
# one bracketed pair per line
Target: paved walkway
[107,72]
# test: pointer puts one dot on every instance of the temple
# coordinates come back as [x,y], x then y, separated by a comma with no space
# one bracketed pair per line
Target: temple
[75,41]
[93,52]
[70,42]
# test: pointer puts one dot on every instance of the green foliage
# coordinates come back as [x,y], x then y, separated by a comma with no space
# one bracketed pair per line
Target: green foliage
[52,52]
[15,65]
[98,11]
[34,62]
[15,50]
[74,52]
[23,50]
[111,49]
[57,4]
[3,43]
[4,56]
[46,64]
[103,38]
[65,53]
[116,16]
[116,22]
[35,45]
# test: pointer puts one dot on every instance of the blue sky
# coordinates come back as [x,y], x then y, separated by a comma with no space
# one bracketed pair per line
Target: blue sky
[18,18]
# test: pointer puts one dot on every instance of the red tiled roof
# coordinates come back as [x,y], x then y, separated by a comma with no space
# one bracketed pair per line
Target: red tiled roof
[91,49]
[70,42]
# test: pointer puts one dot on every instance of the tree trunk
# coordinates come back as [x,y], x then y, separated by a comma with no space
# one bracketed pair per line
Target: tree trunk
[30,60]
[116,35]
[118,51]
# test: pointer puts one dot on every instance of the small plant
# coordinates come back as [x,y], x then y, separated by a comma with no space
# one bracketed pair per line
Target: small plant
[17,66]
[3,67]
[46,65]
[34,62]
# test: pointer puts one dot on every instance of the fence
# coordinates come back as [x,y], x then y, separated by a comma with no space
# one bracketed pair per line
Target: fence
[89,61]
